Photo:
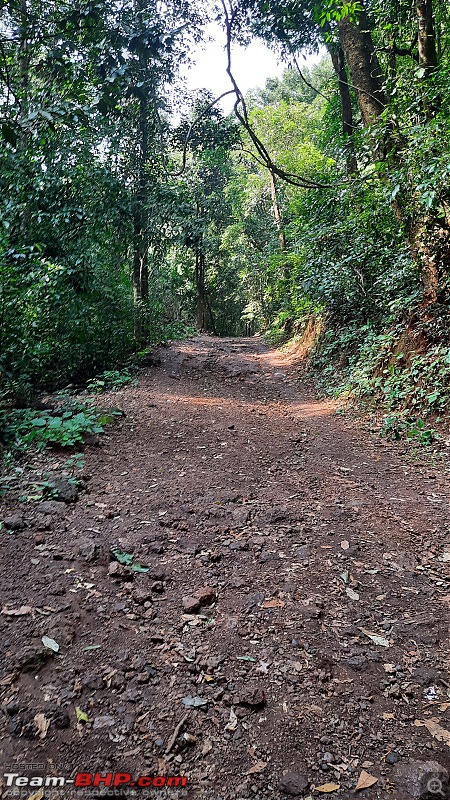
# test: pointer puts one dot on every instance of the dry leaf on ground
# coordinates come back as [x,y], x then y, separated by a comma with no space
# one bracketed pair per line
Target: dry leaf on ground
[277,603]
[376,639]
[439,733]
[42,724]
[326,788]
[365,780]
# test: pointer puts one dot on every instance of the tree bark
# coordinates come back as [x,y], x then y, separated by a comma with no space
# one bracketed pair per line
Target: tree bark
[365,71]
[427,37]
[338,61]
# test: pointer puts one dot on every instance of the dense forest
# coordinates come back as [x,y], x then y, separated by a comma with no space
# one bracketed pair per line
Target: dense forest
[134,211]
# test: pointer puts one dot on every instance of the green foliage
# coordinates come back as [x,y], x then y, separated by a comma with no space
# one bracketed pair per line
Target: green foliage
[65,427]
[110,379]
[401,426]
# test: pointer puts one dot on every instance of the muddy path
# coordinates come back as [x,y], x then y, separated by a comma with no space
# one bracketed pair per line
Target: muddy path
[319,644]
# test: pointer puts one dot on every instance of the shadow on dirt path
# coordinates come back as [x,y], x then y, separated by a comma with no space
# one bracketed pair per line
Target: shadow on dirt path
[324,648]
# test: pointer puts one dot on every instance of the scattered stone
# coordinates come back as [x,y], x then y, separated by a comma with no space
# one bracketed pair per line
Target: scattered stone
[422,780]
[252,697]
[63,489]
[357,663]
[142,594]
[105,721]
[32,657]
[90,551]
[51,507]
[191,605]
[202,597]
[293,783]
[206,596]
[14,523]
[61,720]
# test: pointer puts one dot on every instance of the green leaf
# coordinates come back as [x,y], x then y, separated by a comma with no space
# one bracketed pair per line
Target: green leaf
[81,715]
[123,558]
[139,568]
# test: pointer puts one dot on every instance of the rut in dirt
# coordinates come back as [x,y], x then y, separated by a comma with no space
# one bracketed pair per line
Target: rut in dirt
[321,646]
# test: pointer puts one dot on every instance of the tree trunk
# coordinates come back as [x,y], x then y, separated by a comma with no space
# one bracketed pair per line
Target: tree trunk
[365,71]
[427,37]
[426,41]
[338,60]
[277,212]
[140,215]
[205,316]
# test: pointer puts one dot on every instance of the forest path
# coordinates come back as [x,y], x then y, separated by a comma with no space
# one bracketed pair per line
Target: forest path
[312,534]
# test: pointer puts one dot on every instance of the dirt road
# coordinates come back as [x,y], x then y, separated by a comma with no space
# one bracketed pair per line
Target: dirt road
[319,644]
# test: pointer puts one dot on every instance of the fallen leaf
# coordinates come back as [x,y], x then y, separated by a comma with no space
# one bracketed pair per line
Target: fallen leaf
[91,647]
[365,780]
[257,768]
[50,643]
[42,724]
[123,558]
[345,546]
[233,723]
[81,715]
[326,788]
[387,715]
[351,594]
[246,658]
[376,639]
[17,612]
[194,702]
[439,733]
[277,603]
[136,567]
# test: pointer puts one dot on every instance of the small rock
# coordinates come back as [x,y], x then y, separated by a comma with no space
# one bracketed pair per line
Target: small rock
[206,596]
[293,783]
[32,658]
[142,594]
[51,507]
[357,663]
[14,523]
[252,697]
[93,681]
[158,573]
[63,489]
[13,707]
[392,758]
[105,721]
[90,551]
[61,720]
[116,570]
[191,605]
[421,780]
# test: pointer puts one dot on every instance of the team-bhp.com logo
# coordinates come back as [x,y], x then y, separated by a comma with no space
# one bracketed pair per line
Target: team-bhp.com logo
[96,780]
